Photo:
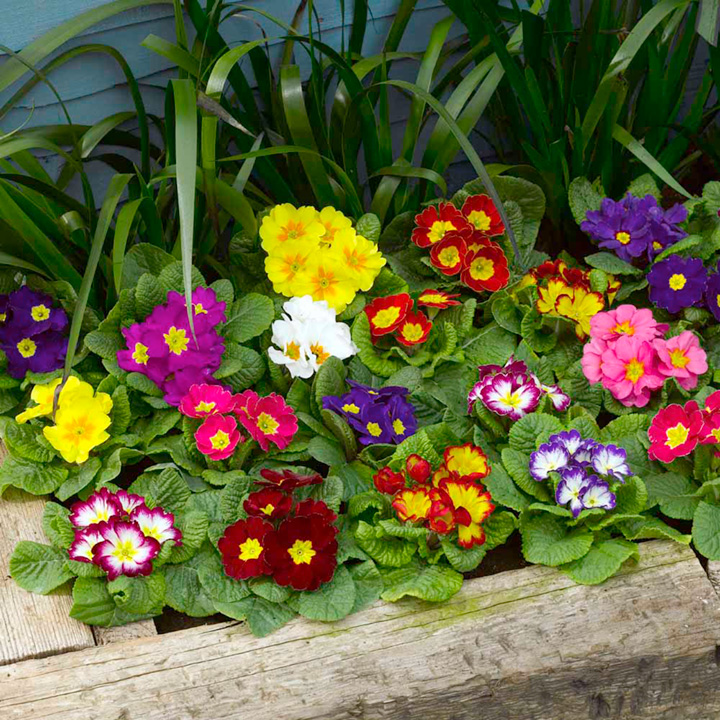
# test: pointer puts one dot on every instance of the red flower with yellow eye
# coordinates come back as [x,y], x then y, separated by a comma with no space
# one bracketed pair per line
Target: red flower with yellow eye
[550,268]
[386,314]
[302,552]
[467,461]
[438,299]
[435,222]
[414,329]
[487,269]
[412,504]
[243,548]
[482,214]
[389,482]
[472,505]
[477,240]
[449,254]
[268,503]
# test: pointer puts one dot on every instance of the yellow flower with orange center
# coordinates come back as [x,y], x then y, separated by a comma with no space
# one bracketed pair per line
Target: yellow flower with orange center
[287,263]
[360,257]
[333,221]
[325,278]
[288,224]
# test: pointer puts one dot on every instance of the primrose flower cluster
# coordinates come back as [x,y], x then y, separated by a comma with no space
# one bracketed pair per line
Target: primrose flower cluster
[635,227]
[628,354]
[677,430]
[290,540]
[81,420]
[379,416]
[119,533]
[677,283]
[31,332]
[586,470]
[266,419]
[307,335]
[460,242]
[163,349]
[449,499]
[318,254]
[513,391]
[565,292]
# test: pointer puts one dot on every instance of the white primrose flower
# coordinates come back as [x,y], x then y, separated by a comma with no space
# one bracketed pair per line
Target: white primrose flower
[304,309]
[294,350]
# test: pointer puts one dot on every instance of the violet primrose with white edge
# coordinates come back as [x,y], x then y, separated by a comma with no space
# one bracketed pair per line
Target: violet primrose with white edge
[610,460]
[549,457]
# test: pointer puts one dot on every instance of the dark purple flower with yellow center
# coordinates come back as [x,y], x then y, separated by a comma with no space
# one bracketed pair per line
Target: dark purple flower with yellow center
[402,419]
[664,227]
[712,294]
[31,313]
[373,425]
[40,353]
[620,226]
[677,283]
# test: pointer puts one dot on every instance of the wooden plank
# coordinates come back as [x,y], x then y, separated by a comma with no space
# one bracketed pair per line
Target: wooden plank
[527,644]
[31,625]
[124,633]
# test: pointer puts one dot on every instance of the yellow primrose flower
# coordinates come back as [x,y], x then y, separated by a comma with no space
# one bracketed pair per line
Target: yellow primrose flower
[325,279]
[333,221]
[287,261]
[79,427]
[580,307]
[286,223]
[556,288]
[360,257]
[44,396]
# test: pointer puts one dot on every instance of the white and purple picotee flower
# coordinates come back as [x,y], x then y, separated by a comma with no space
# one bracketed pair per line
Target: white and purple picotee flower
[124,550]
[84,543]
[158,524]
[570,489]
[597,495]
[571,440]
[560,400]
[128,501]
[101,506]
[511,395]
[610,460]
[546,459]
[583,454]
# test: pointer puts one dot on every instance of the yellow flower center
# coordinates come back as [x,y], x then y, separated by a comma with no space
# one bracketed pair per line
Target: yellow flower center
[676,435]
[292,351]
[657,246]
[624,328]
[26,347]
[677,281]
[268,509]
[177,340]
[449,256]
[321,355]
[40,313]
[206,407]
[267,424]
[623,238]
[398,427]
[634,370]
[324,282]
[199,309]
[678,358]
[387,317]
[125,551]
[351,408]
[512,399]
[374,429]
[251,549]
[716,434]
[482,268]
[438,230]
[220,440]
[717,299]
[433,298]
[3,317]
[151,531]
[293,231]
[480,219]
[302,552]
[140,354]
[412,331]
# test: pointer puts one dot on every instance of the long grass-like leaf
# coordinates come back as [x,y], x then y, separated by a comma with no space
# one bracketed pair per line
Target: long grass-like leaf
[17,262]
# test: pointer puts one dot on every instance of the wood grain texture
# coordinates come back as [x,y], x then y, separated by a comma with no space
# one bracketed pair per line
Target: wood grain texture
[524,644]
[124,633]
[31,625]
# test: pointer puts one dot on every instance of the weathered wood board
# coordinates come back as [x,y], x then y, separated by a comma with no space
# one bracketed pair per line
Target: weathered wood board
[524,644]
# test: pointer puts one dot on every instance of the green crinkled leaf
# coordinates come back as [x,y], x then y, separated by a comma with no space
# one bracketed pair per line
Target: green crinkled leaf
[160,423]
[516,463]
[263,617]
[251,315]
[342,431]
[503,489]
[552,509]
[330,491]
[326,451]
[418,444]
[57,526]
[644,185]
[149,293]
[25,441]
[224,292]
[631,496]
[139,595]
[143,384]
[266,587]
[370,499]
[674,493]
[368,584]
[104,344]
[649,528]
[298,397]
[35,478]
[529,432]
[329,380]
[681,246]
[583,197]
[618,429]
[706,530]
[165,489]
[79,478]
[369,226]
[253,368]
[184,591]
[462,559]
[38,568]
[387,283]
[603,560]
[233,494]
[433,583]
[388,551]
[84,569]
[507,313]
[171,277]
[583,422]
[611,264]
[356,478]
[112,464]
[93,605]
[394,528]
[382,367]
[546,541]
[232,360]
[121,414]
[540,335]
[142,258]
[194,527]
[492,345]
[175,446]
[498,528]
[217,584]
[331,601]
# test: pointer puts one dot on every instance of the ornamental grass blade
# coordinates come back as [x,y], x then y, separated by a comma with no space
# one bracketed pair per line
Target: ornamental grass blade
[709,21]
[186,142]
[13,261]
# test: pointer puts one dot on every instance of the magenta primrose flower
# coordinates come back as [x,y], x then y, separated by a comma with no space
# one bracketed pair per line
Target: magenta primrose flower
[268,419]
[629,371]
[203,400]
[158,524]
[101,506]
[626,320]
[85,541]
[125,550]
[218,437]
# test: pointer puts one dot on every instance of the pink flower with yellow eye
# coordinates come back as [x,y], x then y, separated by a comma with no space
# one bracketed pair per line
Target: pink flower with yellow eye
[85,541]
[218,437]
[681,357]
[203,400]
[268,419]
[124,550]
